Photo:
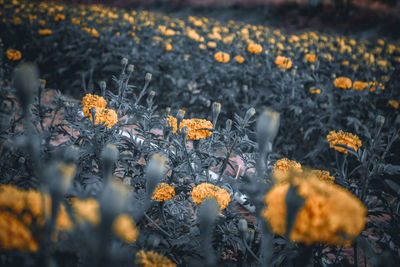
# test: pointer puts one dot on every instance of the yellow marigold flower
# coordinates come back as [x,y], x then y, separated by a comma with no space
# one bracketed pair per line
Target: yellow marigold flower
[212,44]
[13,54]
[197,127]
[92,101]
[222,57]
[59,17]
[342,82]
[152,259]
[343,138]
[206,190]
[86,210]
[310,57]
[202,46]
[393,103]
[105,115]
[330,214]
[45,32]
[254,48]
[357,85]
[283,62]
[192,34]
[239,59]
[125,228]
[314,90]
[163,192]
[282,169]
[14,234]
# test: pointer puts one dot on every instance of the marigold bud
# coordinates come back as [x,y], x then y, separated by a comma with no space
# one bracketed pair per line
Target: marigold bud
[380,120]
[148,77]
[71,154]
[155,170]
[250,113]
[109,155]
[168,111]
[103,87]
[267,127]
[131,68]
[180,114]
[228,125]
[185,131]
[124,61]
[243,229]
[25,81]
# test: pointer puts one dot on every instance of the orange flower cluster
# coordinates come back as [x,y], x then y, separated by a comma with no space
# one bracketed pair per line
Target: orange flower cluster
[125,228]
[310,57]
[103,114]
[163,192]
[393,103]
[152,259]
[86,210]
[283,62]
[239,59]
[13,54]
[360,86]
[194,126]
[343,138]
[330,214]
[206,190]
[314,90]
[92,31]
[222,57]
[374,85]
[342,82]
[45,32]
[59,17]
[254,48]
[323,175]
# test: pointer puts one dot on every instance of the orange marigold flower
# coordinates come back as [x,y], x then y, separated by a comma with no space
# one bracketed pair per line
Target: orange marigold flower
[107,116]
[13,54]
[342,82]
[357,85]
[310,57]
[314,90]
[239,59]
[168,47]
[393,103]
[212,44]
[14,234]
[323,175]
[59,17]
[92,101]
[75,21]
[222,57]
[45,32]
[197,127]
[343,138]
[206,190]
[282,169]
[374,85]
[163,192]
[86,210]
[330,214]
[125,228]
[152,259]
[254,48]
[283,62]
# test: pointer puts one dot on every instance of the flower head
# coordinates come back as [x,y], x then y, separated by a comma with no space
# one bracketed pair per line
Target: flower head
[239,59]
[92,101]
[330,214]
[206,190]
[314,90]
[358,85]
[197,127]
[45,32]
[163,192]
[125,228]
[393,103]
[152,259]
[283,167]
[105,115]
[222,57]
[86,210]
[13,54]
[310,57]
[254,48]
[343,138]
[342,82]
[283,62]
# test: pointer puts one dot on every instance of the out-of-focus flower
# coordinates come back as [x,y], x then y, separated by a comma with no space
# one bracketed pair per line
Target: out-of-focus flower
[90,101]
[207,190]
[343,138]
[59,17]
[45,32]
[310,57]
[283,62]
[357,85]
[239,59]
[330,214]
[86,210]
[282,169]
[393,103]
[105,115]
[314,90]
[222,57]
[125,228]
[163,192]
[254,48]
[197,127]
[168,47]
[13,54]
[342,82]
[323,175]
[152,259]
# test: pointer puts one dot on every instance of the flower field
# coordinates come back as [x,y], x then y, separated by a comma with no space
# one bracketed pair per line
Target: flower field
[132,137]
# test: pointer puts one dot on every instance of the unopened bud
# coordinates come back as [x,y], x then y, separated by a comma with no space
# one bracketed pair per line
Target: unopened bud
[185,131]
[216,109]
[380,120]
[250,113]
[131,68]
[168,111]
[71,154]
[228,125]
[207,214]
[243,229]
[25,81]
[113,200]
[42,84]
[148,77]
[155,170]
[109,155]
[267,127]
[180,114]
[245,88]
[150,97]
[103,87]
[124,61]
[250,236]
